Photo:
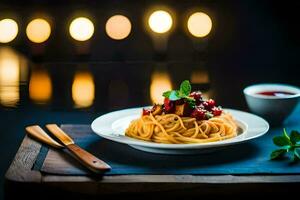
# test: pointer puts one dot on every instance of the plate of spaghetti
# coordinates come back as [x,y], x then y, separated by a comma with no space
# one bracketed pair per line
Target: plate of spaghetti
[185,123]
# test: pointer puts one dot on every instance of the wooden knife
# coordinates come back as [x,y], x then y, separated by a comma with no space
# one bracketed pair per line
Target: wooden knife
[87,159]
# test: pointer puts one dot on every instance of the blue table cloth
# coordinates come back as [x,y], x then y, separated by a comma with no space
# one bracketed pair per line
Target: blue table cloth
[247,158]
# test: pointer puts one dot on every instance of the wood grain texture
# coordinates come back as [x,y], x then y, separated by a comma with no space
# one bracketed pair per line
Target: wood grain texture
[85,158]
[173,185]
[20,168]
[203,179]
[20,171]
[90,161]
[62,163]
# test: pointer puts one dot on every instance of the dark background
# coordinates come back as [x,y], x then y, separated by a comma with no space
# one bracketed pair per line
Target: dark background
[250,42]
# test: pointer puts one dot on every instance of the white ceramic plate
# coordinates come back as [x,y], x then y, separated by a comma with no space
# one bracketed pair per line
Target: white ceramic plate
[112,126]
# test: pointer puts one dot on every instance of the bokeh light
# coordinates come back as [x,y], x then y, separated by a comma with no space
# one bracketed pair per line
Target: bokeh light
[118,27]
[81,29]
[199,24]
[160,82]
[160,21]
[199,77]
[8,30]
[83,89]
[40,87]
[38,30]
[9,77]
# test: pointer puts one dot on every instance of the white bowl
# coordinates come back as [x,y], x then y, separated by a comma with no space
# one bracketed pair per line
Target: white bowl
[274,108]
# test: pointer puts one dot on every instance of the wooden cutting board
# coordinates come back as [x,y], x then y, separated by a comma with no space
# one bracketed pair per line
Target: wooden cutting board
[22,171]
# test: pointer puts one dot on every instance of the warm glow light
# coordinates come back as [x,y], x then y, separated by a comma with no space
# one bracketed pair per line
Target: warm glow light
[199,77]
[38,30]
[9,71]
[83,89]
[160,82]
[199,24]
[160,21]
[8,30]
[9,77]
[81,29]
[118,27]
[40,87]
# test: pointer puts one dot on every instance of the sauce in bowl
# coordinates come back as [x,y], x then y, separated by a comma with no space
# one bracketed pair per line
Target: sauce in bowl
[276,93]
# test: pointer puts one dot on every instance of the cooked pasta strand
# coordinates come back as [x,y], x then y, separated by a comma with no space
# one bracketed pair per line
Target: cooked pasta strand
[173,129]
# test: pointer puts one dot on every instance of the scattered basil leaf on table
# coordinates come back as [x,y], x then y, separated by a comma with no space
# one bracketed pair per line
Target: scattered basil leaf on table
[278,153]
[281,141]
[296,154]
[288,144]
[295,137]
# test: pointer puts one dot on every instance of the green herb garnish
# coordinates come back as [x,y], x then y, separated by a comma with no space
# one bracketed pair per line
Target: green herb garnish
[182,93]
[288,144]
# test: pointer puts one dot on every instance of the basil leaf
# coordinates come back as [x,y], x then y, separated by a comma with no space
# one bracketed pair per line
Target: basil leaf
[167,93]
[296,155]
[191,101]
[185,88]
[174,95]
[287,147]
[277,154]
[295,137]
[285,134]
[281,141]
[288,144]
[181,95]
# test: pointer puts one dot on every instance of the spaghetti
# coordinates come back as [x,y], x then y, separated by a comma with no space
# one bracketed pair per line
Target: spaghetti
[173,129]
[184,117]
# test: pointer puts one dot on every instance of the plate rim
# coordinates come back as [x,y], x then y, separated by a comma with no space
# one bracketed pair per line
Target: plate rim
[132,141]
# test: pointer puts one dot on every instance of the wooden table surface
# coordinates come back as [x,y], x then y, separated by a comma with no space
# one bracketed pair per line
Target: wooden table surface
[21,177]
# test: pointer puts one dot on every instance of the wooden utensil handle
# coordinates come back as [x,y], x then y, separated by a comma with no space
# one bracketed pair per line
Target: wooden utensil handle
[87,159]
